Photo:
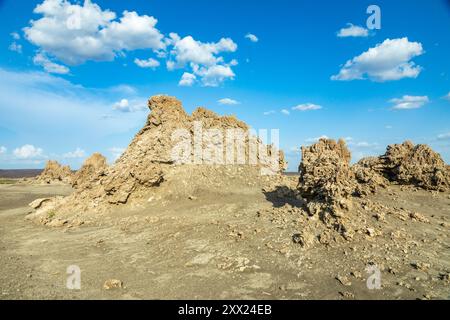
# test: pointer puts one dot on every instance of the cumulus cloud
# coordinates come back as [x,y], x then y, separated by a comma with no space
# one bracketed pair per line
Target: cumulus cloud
[285,112]
[14,46]
[202,58]
[78,153]
[76,33]
[409,102]
[28,151]
[447,96]
[124,105]
[267,113]
[187,79]
[228,101]
[3,150]
[214,75]
[252,37]
[41,59]
[353,31]
[149,63]
[307,107]
[387,61]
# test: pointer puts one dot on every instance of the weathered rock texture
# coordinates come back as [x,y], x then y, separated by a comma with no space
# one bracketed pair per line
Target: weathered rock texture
[148,168]
[55,173]
[409,164]
[368,176]
[326,181]
[92,169]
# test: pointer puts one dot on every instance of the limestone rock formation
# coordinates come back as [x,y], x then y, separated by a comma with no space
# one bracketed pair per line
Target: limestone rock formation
[55,173]
[175,155]
[411,164]
[326,181]
[367,174]
[92,169]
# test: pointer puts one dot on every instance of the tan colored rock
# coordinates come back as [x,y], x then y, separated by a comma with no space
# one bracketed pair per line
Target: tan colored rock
[112,284]
[36,204]
[92,169]
[407,164]
[326,181]
[418,165]
[148,167]
[55,173]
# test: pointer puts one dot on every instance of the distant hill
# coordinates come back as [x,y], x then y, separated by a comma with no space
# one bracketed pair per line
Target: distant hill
[19,173]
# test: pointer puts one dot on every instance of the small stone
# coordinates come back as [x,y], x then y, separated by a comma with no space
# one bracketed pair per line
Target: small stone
[304,239]
[344,280]
[370,232]
[112,284]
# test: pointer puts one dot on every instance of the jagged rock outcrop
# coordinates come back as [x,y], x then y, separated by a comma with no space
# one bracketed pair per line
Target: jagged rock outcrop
[409,164]
[368,176]
[326,181]
[92,169]
[55,173]
[177,154]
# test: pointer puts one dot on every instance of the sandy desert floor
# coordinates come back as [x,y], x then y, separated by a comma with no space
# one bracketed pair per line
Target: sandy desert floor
[219,246]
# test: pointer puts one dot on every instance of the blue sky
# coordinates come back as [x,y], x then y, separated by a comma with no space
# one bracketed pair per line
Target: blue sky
[74,84]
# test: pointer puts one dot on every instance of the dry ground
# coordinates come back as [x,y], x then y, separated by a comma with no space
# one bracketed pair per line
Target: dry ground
[217,246]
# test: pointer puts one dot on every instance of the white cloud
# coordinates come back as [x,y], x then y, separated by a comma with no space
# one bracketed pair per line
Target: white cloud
[188,50]
[202,58]
[387,61]
[353,31]
[266,113]
[14,46]
[78,153]
[316,139]
[409,102]
[187,79]
[307,107]
[41,59]
[228,101]
[15,35]
[28,151]
[252,37]
[215,75]
[447,97]
[76,33]
[285,111]
[124,105]
[149,63]
[3,150]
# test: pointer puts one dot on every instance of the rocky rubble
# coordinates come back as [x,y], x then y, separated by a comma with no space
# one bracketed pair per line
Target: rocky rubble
[335,194]
[406,164]
[55,173]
